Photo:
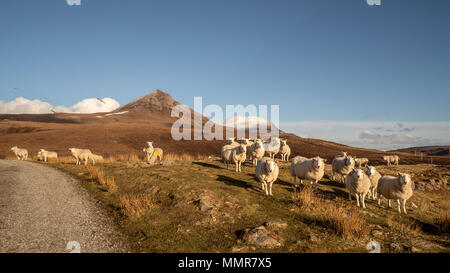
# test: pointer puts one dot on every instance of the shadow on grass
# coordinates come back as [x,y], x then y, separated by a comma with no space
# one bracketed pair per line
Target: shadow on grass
[207,165]
[234,182]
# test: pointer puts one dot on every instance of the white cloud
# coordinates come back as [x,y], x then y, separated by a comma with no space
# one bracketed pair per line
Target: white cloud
[24,106]
[249,122]
[73,2]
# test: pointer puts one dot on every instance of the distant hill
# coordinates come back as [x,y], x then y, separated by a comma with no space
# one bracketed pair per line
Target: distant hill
[148,118]
[427,150]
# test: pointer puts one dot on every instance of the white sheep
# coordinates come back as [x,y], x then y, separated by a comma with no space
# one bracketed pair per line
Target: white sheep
[285,151]
[157,154]
[96,158]
[45,155]
[391,159]
[82,154]
[234,154]
[397,188]
[342,165]
[256,151]
[232,141]
[361,161]
[267,173]
[21,154]
[272,148]
[149,150]
[307,169]
[374,177]
[358,184]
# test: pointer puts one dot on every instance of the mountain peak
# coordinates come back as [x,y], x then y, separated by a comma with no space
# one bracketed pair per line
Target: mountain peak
[157,101]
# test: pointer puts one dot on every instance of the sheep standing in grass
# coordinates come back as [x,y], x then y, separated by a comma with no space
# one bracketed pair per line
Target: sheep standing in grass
[374,177]
[342,165]
[96,158]
[285,151]
[234,154]
[21,154]
[359,162]
[256,151]
[45,155]
[358,184]
[391,159]
[307,169]
[267,173]
[157,155]
[149,150]
[232,141]
[272,148]
[82,154]
[397,188]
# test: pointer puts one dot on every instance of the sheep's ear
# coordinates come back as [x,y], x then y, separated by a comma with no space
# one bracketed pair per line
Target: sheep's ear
[324,160]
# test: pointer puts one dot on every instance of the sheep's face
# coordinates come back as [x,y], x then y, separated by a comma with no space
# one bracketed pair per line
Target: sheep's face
[370,170]
[144,150]
[149,144]
[230,140]
[349,161]
[357,174]
[385,158]
[344,154]
[243,148]
[404,178]
[72,149]
[270,166]
[283,142]
[317,162]
[259,143]
[14,148]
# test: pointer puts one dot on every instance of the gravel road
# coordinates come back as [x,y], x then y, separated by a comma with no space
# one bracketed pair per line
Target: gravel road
[43,209]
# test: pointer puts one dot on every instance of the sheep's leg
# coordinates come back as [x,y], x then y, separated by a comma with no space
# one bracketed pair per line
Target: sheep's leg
[357,200]
[295,180]
[398,206]
[265,187]
[270,185]
[349,196]
[389,203]
[404,206]
[363,201]
[374,194]
[379,201]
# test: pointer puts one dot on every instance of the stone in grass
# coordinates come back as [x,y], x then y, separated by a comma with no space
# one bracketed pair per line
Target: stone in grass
[260,237]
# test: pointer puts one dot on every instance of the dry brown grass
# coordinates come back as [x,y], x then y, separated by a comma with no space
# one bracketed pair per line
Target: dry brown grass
[184,157]
[135,205]
[123,157]
[97,174]
[66,159]
[348,223]
[443,220]
[402,225]
[306,198]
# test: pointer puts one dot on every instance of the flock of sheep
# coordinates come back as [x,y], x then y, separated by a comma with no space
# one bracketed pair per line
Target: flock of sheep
[84,155]
[359,182]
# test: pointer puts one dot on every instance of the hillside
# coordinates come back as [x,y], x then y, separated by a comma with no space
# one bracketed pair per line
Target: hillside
[200,206]
[427,150]
[125,131]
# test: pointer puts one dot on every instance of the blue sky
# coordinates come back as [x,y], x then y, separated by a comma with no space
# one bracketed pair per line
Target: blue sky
[321,61]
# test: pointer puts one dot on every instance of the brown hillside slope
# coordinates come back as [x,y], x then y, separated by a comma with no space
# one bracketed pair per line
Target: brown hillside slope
[125,131]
